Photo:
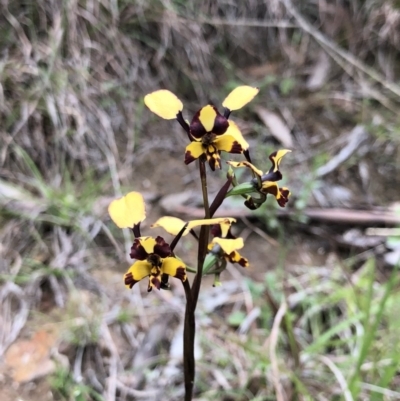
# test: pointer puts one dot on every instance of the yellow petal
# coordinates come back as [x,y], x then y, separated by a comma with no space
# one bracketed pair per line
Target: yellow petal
[276,158]
[236,257]
[207,117]
[148,243]
[246,164]
[193,151]
[174,267]
[234,131]
[225,228]
[239,97]
[128,211]
[163,103]
[136,272]
[171,225]
[229,245]
[209,222]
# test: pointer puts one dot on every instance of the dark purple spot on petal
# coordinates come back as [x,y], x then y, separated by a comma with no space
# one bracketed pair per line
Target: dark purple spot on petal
[189,158]
[236,148]
[137,251]
[273,190]
[213,162]
[129,281]
[196,127]
[156,283]
[272,176]
[216,230]
[161,248]
[284,198]
[235,257]
[181,273]
[221,124]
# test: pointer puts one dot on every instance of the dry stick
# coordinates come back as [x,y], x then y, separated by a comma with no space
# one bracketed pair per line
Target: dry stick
[350,58]
[192,294]
[272,351]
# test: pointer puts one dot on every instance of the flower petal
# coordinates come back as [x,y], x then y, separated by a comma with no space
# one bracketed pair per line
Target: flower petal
[174,267]
[136,272]
[148,244]
[272,176]
[172,225]
[229,245]
[239,97]
[137,250]
[207,117]
[163,103]
[246,164]
[227,143]
[208,222]
[281,194]
[213,158]
[284,196]
[128,211]
[236,257]
[234,130]
[161,248]
[193,151]
[276,158]
[154,279]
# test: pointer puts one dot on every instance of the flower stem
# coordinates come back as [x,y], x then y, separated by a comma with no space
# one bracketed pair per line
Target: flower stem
[204,234]
[192,294]
[188,343]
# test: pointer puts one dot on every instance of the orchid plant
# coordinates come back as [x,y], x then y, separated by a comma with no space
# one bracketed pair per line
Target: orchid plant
[209,133]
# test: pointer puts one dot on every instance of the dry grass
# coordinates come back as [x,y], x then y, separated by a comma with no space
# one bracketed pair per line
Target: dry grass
[74,134]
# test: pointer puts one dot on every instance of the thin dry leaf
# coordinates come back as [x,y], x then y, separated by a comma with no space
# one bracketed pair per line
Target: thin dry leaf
[276,126]
[319,72]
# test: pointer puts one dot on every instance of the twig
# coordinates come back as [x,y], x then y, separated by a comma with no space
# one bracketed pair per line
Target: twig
[339,377]
[350,58]
[13,320]
[272,343]
[356,138]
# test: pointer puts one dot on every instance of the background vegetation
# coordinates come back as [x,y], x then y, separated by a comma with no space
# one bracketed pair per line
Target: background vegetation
[315,317]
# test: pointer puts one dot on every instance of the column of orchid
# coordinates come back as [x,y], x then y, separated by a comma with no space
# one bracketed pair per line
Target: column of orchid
[209,133]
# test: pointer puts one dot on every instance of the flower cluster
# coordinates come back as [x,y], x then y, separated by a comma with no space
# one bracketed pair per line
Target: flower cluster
[209,133]
[154,257]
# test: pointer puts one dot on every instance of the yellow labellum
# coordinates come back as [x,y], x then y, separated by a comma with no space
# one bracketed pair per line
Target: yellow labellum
[163,103]
[239,97]
[127,211]
[229,245]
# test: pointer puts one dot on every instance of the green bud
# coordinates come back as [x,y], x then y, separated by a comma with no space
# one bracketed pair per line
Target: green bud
[242,189]
[209,262]
[217,281]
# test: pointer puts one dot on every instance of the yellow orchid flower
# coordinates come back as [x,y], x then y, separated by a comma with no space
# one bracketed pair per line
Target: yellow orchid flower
[266,183]
[210,132]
